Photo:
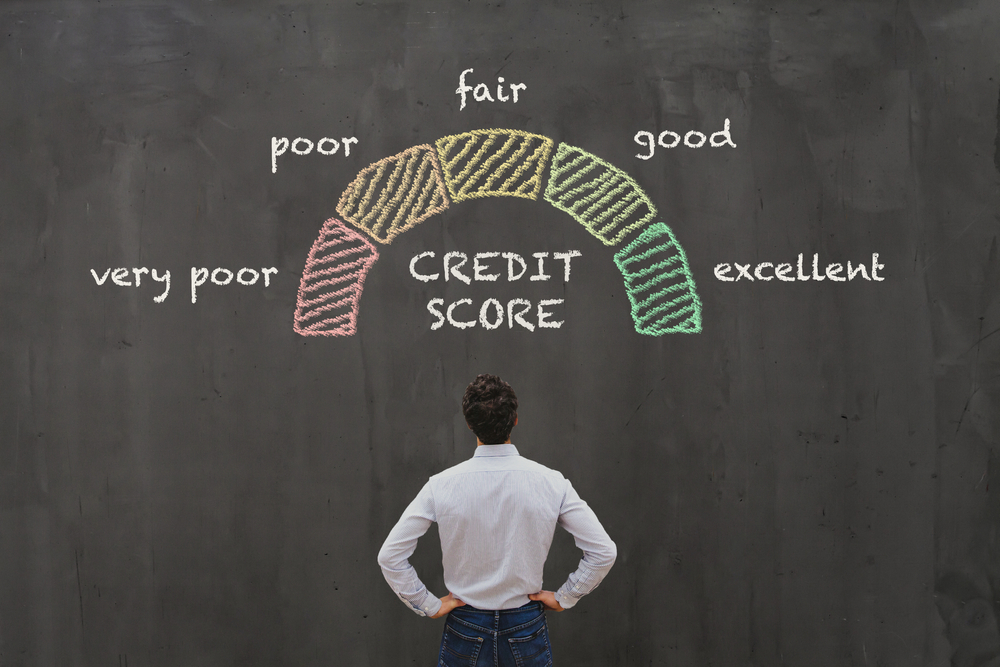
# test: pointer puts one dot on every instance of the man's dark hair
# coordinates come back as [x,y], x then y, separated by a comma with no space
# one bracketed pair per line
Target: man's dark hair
[490,409]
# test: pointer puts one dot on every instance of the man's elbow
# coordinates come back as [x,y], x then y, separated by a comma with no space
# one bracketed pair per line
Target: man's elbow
[606,556]
[386,559]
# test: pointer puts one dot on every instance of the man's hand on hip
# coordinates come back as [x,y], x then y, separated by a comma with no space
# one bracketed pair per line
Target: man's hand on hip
[448,602]
[548,600]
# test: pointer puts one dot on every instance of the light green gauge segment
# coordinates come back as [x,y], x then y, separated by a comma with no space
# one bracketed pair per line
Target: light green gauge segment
[600,196]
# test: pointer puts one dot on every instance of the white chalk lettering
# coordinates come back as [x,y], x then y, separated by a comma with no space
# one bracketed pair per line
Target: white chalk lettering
[492,314]
[198,278]
[816,276]
[875,267]
[722,272]
[642,136]
[462,88]
[454,270]
[482,271]
[694,133]
[692,139]
[451,316]
[118,277]
[500,95]
[229,276]
[543,314]
[165,278]
[760,267]
[278,147]
[481,91]
[477,268]
[672,144]
[300,151]
[782,271]
[420,276]
[541,275]
[241,281]
[566,257]
[727,138]
[512,257]
[519,315]
[484,314]
[304,146]
[431,308]
[801,275]
[325,140]
[859,268]
[222,276]
[787,272]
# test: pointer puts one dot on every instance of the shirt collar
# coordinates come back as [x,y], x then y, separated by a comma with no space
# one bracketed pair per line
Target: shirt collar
[496,450]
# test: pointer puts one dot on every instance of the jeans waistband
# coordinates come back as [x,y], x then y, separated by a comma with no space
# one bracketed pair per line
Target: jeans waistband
[526,607]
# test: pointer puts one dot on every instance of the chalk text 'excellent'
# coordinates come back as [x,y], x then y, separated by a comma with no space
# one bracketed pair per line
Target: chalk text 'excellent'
[767,271]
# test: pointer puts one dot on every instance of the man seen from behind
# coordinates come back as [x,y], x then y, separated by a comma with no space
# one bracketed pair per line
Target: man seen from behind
[496,514]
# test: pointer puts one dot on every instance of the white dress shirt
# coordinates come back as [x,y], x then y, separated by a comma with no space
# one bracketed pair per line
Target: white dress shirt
[496,514]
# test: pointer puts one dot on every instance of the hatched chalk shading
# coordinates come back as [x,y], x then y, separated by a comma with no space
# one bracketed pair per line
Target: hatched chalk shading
[659,283]
[395,194]
[494,163]
[332,281]
[600,196]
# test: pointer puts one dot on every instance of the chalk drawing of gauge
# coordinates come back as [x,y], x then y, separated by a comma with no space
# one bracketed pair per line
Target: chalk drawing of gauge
[397,193]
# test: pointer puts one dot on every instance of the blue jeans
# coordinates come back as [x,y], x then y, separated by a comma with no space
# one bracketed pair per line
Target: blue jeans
[507,638]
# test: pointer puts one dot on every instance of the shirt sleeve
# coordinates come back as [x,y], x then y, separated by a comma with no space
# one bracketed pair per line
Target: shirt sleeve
[599,552]
[400,545]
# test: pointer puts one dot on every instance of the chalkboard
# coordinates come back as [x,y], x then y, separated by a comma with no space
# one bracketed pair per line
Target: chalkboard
[738,261]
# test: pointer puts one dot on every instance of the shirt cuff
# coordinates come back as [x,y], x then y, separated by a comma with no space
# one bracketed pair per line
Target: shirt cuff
[431,606]
[565,601]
